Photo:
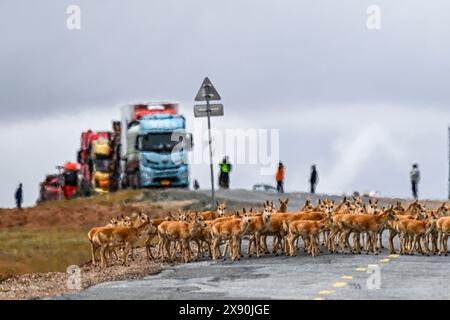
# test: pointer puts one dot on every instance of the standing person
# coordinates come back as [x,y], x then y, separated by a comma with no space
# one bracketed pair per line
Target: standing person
[314,179]
[225,169]
[196,185]
[280,178]
[415,178]
[19,196]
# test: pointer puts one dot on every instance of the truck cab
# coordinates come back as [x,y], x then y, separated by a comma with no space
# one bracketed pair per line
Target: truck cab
[156,146]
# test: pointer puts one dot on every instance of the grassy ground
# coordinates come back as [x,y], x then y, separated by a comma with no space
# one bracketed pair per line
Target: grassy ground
[41,250]
[104,199]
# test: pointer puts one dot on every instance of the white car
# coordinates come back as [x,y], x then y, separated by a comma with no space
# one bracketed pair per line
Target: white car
[264,187]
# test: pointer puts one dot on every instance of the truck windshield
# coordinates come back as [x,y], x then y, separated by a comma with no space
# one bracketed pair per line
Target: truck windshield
[158,142]
[101,165]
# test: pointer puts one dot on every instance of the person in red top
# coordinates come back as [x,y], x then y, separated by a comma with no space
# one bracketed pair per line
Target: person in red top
[280,178]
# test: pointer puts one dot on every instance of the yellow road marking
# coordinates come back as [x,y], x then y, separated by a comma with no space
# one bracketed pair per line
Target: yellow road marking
[360,269]
[385,260]
[327,291]
[394,255]
[319,298]
[339,284]
[347,277]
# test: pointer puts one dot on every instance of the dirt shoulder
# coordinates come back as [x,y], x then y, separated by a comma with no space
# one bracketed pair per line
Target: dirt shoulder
[48,284]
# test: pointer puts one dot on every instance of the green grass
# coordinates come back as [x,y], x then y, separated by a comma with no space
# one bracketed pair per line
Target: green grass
[41,250]
[107,199]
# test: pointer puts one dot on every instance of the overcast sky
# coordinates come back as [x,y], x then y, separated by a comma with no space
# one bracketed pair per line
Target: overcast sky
[362,104]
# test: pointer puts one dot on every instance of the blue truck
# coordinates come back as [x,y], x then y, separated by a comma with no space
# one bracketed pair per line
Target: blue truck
[155,146]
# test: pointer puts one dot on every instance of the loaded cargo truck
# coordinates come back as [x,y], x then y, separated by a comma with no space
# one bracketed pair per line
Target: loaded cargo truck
[85,161]
[64,184]
[51,188]
[99,158]
[155,146]
[71,172]
[101,161]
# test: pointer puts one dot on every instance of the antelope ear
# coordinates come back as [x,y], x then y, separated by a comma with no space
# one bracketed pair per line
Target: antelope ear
[251,210]
[287,200]
[217,203]
[279,200]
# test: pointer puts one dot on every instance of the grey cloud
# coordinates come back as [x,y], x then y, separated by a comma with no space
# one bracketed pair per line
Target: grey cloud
[261,54]
[288,64]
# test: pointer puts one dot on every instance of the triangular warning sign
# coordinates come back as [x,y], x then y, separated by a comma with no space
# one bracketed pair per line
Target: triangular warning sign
[207,90]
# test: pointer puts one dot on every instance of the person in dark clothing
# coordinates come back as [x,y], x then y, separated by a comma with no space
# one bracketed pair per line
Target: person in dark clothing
[19,196]
[314,178]
[415,178]
[196,185]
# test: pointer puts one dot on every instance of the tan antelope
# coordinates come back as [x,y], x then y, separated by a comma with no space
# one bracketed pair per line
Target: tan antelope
[283,205]
[94,247]
[155,222]
[257,228]
[443,227]
[178,231]
[114,237]
[309,230]
[275,226]
[414,232]
[307,206]
[230,230]
[398,208]
[211,215]
[433,236]
[361,223]
[202,237]
[414,211]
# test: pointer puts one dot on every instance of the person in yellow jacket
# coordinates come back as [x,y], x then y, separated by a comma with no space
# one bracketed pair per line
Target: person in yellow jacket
[224,177]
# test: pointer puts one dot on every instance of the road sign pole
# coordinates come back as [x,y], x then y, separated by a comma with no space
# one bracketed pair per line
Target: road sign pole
[208,111]
[208,93]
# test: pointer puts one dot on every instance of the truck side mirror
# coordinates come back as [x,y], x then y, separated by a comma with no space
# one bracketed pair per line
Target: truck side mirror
[191,140]
[137,143]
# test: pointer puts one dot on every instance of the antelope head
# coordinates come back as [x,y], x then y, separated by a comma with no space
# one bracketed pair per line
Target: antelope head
[221,209]
[283,205]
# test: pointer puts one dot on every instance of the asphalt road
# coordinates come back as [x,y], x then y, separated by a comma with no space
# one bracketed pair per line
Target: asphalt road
[328,276]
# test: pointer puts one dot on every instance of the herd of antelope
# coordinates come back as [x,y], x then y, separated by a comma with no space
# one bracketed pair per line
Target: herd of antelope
[328,223]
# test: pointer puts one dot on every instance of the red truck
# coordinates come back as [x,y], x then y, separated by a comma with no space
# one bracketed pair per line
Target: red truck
[99,158]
